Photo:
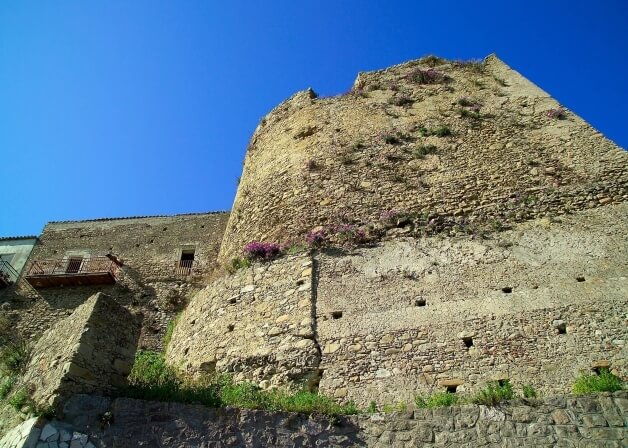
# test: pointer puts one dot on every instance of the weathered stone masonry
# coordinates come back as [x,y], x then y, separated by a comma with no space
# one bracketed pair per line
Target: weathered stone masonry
[90,351]
[319,161]
[148,248]
[537,305]
[257,325]
[582,422]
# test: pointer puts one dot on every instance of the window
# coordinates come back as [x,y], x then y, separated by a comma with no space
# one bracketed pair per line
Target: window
[184,265]
[74,265]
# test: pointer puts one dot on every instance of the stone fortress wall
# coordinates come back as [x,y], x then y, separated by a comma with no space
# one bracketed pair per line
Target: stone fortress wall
[147,247]
[537,305]
[328,161]
[506,259]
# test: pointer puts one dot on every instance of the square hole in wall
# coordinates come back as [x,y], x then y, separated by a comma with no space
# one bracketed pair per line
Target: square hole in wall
[451,388]
[336,314]
[468,341]
[580,278]
[507,289]
[420,302]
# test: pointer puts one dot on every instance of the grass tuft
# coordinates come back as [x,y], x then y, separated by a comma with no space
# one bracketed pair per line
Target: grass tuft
[152,379]
[436,400]
[590,383]
[494,393]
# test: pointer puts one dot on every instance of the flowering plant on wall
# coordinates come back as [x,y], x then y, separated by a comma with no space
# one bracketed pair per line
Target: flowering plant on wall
[259,251]
[316,239]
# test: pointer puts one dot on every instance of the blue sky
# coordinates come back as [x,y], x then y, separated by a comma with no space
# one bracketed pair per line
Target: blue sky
[119,108]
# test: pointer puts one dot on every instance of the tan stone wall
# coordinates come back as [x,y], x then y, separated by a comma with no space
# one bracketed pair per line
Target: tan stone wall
[90,351]
[387,347]
[391,318]
[148,247]
[511,164]
[257,325]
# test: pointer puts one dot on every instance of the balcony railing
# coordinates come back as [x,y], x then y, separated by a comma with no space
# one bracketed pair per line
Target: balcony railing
[72,271]
[183,267]
[8,275]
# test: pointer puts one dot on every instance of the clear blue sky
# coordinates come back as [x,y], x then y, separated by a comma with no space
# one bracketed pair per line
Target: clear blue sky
[117,108]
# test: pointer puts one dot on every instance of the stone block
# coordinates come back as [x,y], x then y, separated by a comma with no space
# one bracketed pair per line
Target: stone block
[84,352]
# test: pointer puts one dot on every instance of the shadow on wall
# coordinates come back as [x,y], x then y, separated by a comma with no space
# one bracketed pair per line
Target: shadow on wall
[195,425]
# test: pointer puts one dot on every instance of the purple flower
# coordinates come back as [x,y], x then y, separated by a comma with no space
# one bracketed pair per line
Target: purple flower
[429,76]
[316,238]
[262,251]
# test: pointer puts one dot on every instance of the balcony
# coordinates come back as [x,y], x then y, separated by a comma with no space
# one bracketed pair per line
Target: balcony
[74,271]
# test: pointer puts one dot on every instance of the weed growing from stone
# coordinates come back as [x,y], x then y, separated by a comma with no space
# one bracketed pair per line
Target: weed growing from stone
[494,393]
[436,400]
[6,384]
[429,76]
[238,263]
[529,391]
[394,407]
[421,151]
[295,248]
[19,398]
[372,408]
[590,383]
[14,356]
[170,330]
[442,131]
[400,101]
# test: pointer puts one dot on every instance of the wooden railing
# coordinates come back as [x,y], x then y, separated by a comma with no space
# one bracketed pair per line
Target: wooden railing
[183,267]
[73,266]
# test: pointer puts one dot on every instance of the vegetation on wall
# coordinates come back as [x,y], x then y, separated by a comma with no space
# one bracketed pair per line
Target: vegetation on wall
[605,381]
[152,379]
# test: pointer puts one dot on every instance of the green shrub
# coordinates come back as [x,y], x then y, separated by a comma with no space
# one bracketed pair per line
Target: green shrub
[494,393]
[529,391]
[590,383]
[14,356]
[19,398]
[423,150]
[436,400]
[441,131]
[6,384]
[238,263]
[372,408]
[150,370]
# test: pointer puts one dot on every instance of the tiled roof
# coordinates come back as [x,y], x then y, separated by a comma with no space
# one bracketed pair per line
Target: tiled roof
[142,217]
[27,237]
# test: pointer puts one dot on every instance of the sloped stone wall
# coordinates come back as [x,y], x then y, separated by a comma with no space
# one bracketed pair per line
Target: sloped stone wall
[257,325]
[326,161]
[583,422]
[90,351]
